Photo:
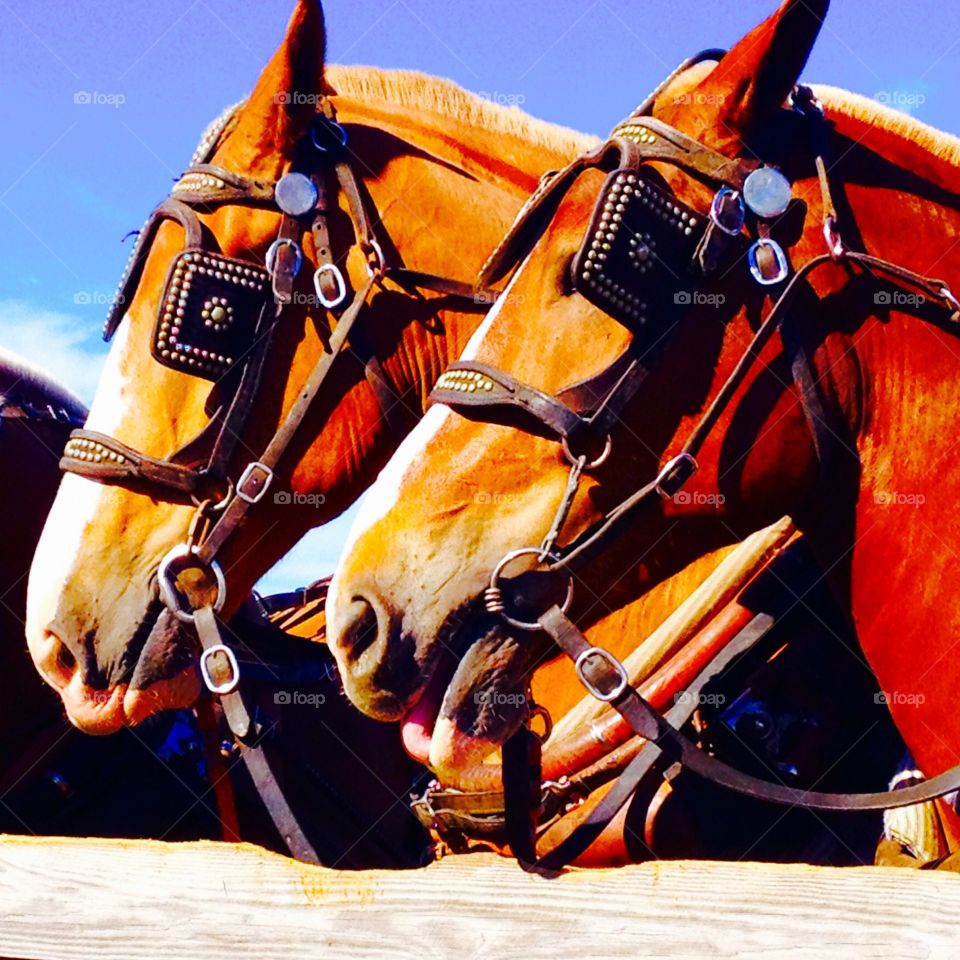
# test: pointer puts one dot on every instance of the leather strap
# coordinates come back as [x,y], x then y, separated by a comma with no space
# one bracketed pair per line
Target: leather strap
[101,457]
[637,770]
[238,507]
[646,722]
[469,383]
[252,741]
[660,141]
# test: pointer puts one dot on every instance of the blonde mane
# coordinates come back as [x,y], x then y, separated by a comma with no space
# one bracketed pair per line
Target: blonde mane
[943,146]
[420,91]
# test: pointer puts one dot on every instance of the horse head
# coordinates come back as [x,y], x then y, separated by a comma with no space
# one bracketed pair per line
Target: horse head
[233,314]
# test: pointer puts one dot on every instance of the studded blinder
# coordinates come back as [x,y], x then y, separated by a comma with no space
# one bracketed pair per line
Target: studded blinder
[208,313]
[635,262]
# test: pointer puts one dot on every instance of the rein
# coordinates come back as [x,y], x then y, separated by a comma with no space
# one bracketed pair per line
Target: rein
[609,274]
[217,319]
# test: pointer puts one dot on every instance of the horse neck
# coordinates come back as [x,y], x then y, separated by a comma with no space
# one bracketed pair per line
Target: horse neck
[902,535]
[445,188]
[476,165]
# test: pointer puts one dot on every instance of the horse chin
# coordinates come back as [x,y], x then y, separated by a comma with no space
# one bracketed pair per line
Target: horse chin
[103,712]
[97,712]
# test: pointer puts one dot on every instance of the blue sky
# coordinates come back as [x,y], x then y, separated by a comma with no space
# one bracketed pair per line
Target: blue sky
[75,177]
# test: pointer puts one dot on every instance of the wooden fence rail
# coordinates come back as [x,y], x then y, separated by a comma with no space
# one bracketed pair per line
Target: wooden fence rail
[126,900]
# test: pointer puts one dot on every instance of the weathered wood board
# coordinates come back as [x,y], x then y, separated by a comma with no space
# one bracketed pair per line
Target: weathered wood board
[125,900]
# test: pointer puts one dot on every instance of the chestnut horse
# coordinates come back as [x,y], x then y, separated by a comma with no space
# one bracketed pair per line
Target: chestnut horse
[445,172]
[883,534]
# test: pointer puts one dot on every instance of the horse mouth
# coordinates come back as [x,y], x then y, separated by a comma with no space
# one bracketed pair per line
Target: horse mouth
[471,703]
[161,676]
[103,712]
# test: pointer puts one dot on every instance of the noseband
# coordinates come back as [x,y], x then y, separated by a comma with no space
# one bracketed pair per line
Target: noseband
[216,319]
[643,253]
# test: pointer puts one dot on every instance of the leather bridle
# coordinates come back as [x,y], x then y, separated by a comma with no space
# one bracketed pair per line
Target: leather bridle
[581,417]
[191,582]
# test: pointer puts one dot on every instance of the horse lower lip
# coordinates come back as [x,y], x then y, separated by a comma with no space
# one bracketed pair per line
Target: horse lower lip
[94,712]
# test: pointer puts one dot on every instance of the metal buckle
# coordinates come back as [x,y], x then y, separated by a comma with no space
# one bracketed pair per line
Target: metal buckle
[671,467]
[330,303]
[376,262]
[831,235]
[168,592]
[333,126]
[228,686]
[494,597]
[623,681]
[254,472]
[952,302]
[270,260]
[782,267]
[717,206]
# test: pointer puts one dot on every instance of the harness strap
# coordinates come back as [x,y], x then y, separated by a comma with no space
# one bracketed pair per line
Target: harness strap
[100,457]
[469,383]
[240,505]
[640,766]
[168,209]
[660,141]
[217,772]
[253,749]
[481,298]
[208,184]
[607,677]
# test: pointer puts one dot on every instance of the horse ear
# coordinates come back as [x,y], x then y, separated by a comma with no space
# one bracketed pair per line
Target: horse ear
[755,78]
[284,100]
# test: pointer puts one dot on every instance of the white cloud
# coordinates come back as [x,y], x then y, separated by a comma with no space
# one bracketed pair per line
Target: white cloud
[64,346]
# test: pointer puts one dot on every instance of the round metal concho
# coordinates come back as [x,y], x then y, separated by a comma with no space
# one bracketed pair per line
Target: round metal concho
[767,192]
[296,194]
[495,587]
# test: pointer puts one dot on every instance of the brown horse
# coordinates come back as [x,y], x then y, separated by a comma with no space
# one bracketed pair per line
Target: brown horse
[36,417]
[445,173]
[885,531]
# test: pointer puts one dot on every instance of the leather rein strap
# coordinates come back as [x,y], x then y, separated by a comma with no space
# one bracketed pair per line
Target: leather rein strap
[605,677]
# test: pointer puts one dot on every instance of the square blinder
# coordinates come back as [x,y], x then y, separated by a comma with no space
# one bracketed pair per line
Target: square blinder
[208,313]
[636,257]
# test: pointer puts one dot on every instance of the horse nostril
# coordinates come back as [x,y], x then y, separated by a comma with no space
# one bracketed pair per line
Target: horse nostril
[66,661]
[361,630]
[55,661]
